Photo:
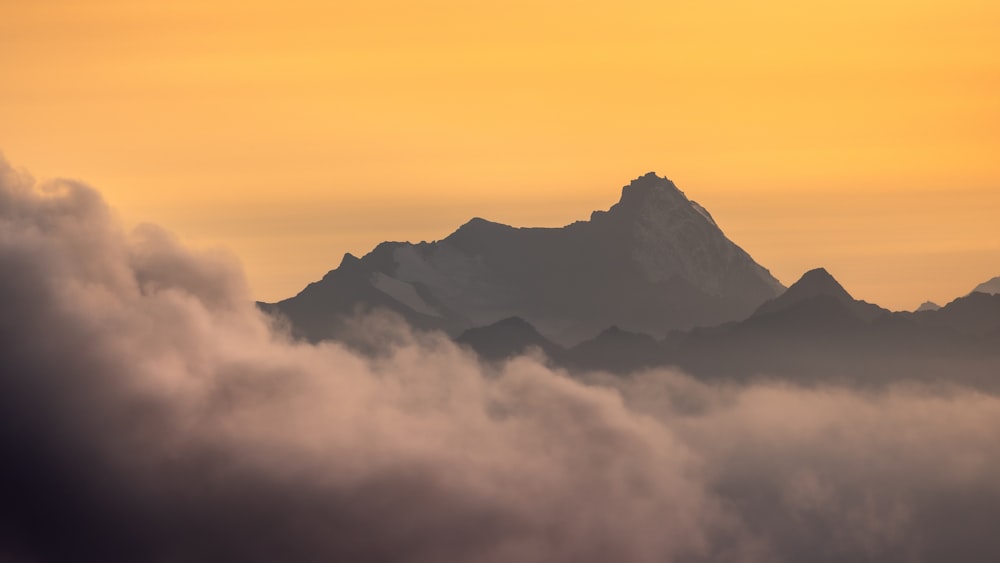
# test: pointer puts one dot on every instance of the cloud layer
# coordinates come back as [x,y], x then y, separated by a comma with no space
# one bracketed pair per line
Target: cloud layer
[151,413]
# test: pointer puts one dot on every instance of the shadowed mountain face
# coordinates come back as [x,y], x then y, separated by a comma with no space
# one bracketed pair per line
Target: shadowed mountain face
[653,262]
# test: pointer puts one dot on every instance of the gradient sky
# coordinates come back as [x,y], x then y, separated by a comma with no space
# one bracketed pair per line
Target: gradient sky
[859,136]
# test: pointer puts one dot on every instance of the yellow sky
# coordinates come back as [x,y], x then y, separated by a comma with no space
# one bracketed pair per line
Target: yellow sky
[860,136]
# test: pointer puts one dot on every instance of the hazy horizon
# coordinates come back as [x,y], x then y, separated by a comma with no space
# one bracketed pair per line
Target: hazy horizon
[890,287]
[858,137]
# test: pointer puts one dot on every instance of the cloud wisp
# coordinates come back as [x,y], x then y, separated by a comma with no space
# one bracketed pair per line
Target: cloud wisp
[149,412]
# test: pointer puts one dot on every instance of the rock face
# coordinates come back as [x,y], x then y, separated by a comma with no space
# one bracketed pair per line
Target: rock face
[655,261]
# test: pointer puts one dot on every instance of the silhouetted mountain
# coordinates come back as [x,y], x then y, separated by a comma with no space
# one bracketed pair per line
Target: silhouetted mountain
[653,262]
[991,287]
[814,295]
[507,338]
[617,351]
[814,333]
[927,306]
[976,315]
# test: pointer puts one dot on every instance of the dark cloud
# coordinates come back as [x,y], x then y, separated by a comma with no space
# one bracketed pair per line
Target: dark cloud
[151,413]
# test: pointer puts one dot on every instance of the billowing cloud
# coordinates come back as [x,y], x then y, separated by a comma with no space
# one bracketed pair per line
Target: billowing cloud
[149,412]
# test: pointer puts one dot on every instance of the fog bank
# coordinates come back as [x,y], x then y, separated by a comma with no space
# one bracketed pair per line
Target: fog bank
[151,413]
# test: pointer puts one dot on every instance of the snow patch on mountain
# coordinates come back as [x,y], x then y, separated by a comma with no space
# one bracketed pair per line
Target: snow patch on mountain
[676,237]
[403,292]
[704,212]
[653,262]
[456,278]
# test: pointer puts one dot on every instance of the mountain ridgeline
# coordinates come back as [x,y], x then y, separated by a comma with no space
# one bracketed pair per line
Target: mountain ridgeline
[652,281]
[815,332]
[990,287]
[652,263]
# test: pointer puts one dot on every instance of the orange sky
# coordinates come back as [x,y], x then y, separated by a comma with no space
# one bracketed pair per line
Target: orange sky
[860,136]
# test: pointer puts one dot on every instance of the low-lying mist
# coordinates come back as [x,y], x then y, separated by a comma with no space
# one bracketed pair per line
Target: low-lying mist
[150,412]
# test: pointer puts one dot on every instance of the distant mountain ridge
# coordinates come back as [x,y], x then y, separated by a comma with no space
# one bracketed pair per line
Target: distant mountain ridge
[991,287]
[815,331]
[819,284]
[654,262]
[927,306]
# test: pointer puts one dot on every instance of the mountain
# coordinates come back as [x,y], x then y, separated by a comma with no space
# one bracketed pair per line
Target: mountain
[616,351]
[975,316]
[991,287]
[927,306]
[815,333]
[507,338]
[654,262]
[816,290]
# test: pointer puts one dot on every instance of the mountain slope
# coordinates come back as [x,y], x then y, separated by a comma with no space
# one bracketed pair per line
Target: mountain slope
[655,261]
[991,287]
[507,338]
[815,333]
[976,315]
[927,306]
[818,286]
[616,351]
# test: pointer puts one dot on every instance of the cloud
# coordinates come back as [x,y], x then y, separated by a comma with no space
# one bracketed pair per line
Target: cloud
[150,412]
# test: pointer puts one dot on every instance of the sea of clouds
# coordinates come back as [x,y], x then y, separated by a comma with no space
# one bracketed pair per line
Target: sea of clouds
[150,412]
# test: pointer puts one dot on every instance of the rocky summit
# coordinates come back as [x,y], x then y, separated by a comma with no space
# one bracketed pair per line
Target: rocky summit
[654,262]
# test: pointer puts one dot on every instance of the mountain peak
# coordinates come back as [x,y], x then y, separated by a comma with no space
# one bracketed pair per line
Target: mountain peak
[814,283]
[818,281]
[349,259]
[650,187]
[653,178]
[477,231]
[652,263]
[506,338]
[650,193]
[928,306]
[480,223]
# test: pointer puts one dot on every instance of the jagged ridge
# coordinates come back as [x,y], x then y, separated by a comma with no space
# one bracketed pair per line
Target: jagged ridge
[653,262]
